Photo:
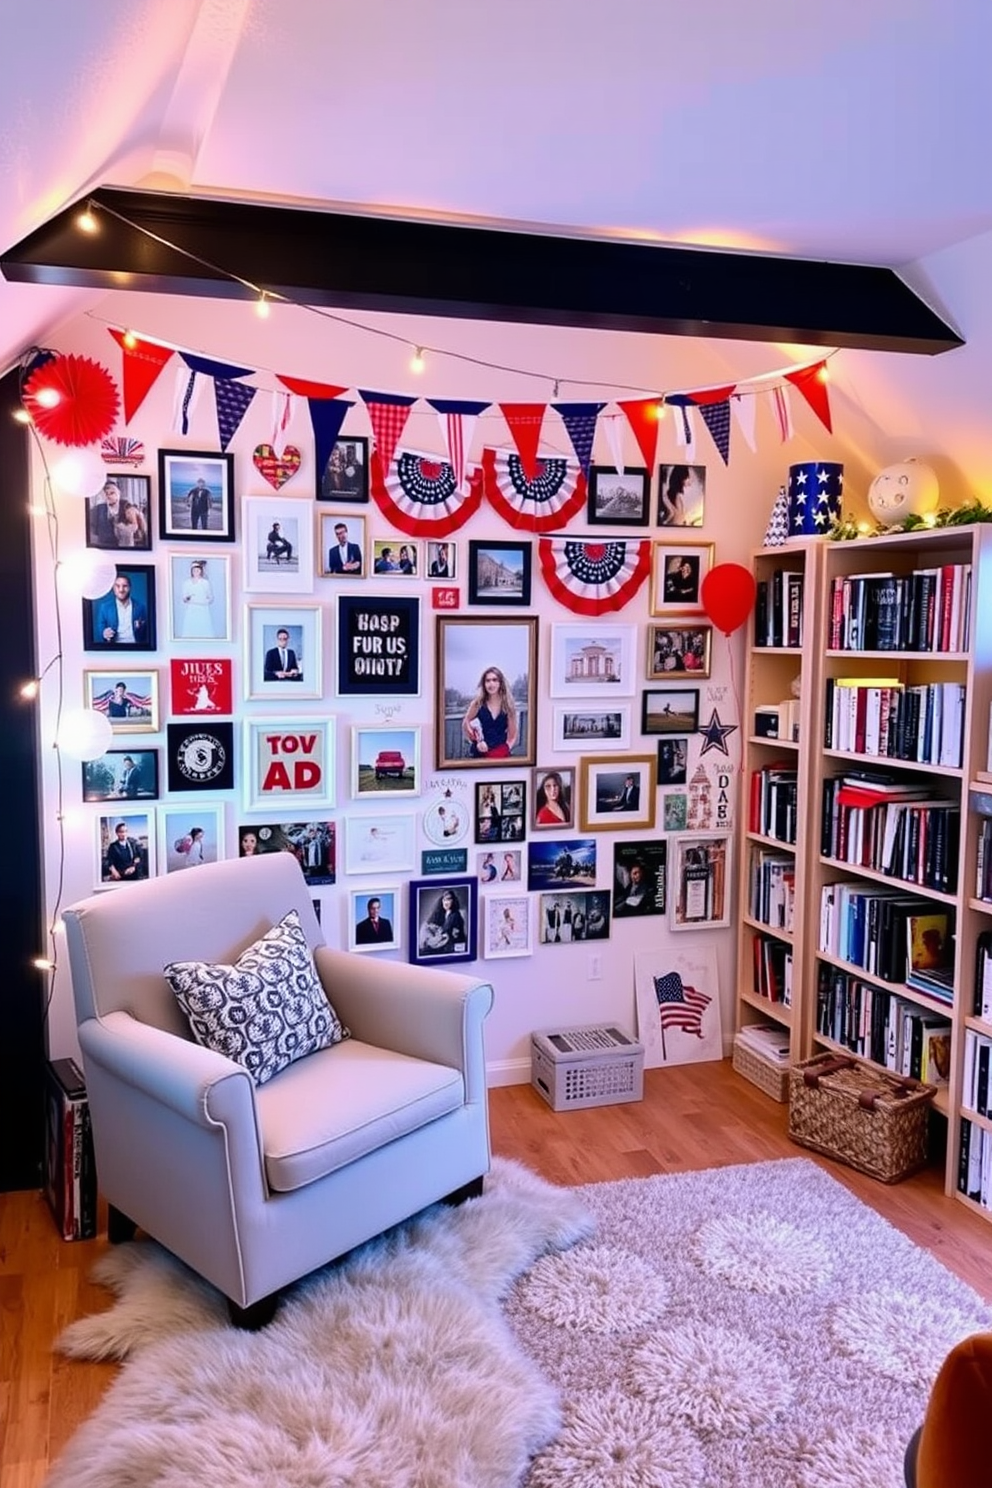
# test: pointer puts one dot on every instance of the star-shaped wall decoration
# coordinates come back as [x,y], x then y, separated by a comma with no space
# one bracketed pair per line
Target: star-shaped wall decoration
[715,734]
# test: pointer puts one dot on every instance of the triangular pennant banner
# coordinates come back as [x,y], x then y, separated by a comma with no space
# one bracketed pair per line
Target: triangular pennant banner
[388,413]
[187,393]
[304,388]
[610,424]
[524,422]
[142,366]
[458,419]
[744,407]
[642,416]
[683,427]
[716,417]
[783,413]
[210,368]
[327,416]
[580,426]
[702,396]
[811,382]
[233,402]
[282,413]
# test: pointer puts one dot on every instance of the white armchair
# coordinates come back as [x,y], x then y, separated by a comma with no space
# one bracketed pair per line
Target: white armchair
[254,1186]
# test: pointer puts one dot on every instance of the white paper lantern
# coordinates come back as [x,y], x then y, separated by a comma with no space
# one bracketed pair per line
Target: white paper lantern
[78,472]
[87,574]
[84,734]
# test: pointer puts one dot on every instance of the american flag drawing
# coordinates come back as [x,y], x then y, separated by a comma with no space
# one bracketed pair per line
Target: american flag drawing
[118,449]
[680,1006]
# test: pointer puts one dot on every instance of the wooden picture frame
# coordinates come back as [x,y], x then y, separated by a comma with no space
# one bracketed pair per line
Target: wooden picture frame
[617,792]
[195,496]
[342,545]
[678,651]
[677,573]
[345,477]
[499,573]
[129,699]
[444,915]
[618,498]
[553,798]
[467,652]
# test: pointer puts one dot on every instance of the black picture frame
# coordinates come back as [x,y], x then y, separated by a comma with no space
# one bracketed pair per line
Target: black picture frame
[430,942]
[378,645]
[640,878]
[500,811]
[110,533]
[345,477]
[110,778]
[618,498]
[200,756]
[669,710]
[101,620]
[319,868]
[499,573]
[179,472]
[673,760]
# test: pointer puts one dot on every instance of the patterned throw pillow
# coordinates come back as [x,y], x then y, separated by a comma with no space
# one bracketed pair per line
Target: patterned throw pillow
[266,1010]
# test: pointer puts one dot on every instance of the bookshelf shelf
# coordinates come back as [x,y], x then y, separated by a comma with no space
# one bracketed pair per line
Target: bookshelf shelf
[918,767]
[777,1011]
[908,885]
[775,932]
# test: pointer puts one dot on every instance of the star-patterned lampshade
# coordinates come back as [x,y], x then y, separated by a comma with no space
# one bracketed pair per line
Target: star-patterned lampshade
[815,491]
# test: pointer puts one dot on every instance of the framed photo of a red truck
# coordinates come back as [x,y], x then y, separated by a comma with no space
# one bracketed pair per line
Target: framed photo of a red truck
[385,762]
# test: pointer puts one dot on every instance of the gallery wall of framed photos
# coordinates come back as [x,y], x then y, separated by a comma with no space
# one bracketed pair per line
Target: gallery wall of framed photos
[421,719]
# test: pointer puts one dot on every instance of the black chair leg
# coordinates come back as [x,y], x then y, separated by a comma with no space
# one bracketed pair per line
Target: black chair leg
[471,1190]
[255,1316]
[119,1227]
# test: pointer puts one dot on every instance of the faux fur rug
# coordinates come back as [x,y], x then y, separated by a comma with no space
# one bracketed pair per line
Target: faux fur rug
[748,1327]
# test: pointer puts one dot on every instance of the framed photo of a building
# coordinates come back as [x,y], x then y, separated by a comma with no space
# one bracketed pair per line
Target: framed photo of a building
[582,727]
[617,792]
[485,692]
[499,573]
[619,498]
[195,496]
[592,661]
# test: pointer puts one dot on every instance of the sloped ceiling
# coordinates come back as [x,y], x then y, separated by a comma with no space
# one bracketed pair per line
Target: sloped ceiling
[835,129]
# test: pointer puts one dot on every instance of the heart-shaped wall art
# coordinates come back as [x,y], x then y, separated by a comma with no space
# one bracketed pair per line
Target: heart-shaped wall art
[276,469]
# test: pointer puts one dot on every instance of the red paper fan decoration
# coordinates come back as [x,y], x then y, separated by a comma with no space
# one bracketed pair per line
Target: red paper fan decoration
[88,401]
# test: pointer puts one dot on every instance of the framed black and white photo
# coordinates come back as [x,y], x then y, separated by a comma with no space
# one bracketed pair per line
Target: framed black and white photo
[499,573]
[374,919]
[195,496]
[485,692]
[278,545]
[500,811]
[122,775]
[677,573]
[199,597]
[283,651]
[385,762]
[507,925]
[378,645]
[640,876]
[123,619]
[345,477]
[341,545]
[395,558]
[678,651]
[593,661]
[119,515]
[617,792]
[700,890]
[574,914]
[129,699]
[670,710]
[681,495]
[619,498]
[189,836]
[673,758]
[125,848]
[443,920]
[582,727]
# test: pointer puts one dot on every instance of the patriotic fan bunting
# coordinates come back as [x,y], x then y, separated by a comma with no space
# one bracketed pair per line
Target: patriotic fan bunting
[592,577]
[388,413]
[551,500]
[421,497]
[86,401]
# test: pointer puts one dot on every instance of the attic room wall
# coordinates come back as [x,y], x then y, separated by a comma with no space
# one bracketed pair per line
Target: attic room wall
[554,984]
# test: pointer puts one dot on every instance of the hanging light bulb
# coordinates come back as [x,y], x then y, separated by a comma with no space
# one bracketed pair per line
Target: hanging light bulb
[417,362]
[823,373]
[49,397]
[43,963]
[88,573]
[79,472]
[659,409]
[130,340]
[29,690]
[262,306]
[22,416]
[86,221]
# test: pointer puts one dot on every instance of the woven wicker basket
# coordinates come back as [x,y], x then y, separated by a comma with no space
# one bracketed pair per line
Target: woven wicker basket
[866,1117]
[765,1073]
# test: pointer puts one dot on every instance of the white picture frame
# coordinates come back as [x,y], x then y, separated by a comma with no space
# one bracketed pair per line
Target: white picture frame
[359,918]
[580,727]
[199,603]
[268,571]
[303,625]
[699,881]
[507,926]
[592,661]
[385,762]
[189,835]
[288,765]
[380,844]
[139,833]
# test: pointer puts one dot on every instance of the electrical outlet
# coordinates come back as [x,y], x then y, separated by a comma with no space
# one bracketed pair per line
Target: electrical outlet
[595,968]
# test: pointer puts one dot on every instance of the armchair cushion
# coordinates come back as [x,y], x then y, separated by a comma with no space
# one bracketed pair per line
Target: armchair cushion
[266,1010]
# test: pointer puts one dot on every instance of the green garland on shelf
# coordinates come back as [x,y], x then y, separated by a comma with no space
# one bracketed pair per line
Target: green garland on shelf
[846,529]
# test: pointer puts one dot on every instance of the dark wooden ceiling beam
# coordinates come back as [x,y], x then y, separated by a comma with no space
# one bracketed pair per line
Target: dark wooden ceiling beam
[193,245]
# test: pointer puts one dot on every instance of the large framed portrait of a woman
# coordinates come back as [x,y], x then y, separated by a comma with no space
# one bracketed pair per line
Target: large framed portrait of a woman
[486,692]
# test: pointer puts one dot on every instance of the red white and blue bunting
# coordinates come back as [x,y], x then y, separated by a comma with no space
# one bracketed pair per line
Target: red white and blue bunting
[421,497]
[555,495]
[594,577]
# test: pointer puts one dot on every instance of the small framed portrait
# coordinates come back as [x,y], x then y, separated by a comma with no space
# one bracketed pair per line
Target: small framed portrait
[396,560]
[201,685]
[580,914]
[340,546]
[681,495]
[592,660]
[618,498]
[447,822]
[125,848]
[589,726]
[385,762]
[378,645]
[670,710]
[617,793]
[640,874]
[189,836]
[379,844]
[345,477]
[673,758]
[553,799]
[677,573]
[312,843]
[122,775]
[288,762]
[700,894]
[442,561]
[499,866]
[560,864]
[675,811]
[119,515]
[499,573]
[486,691]
[507,925]
[283,651]
[123,619]
[128,699]
[500,811]
[443,918]
[374,919]
[200,756]
[278,545]
[195,496]
[678,651]
[199,598]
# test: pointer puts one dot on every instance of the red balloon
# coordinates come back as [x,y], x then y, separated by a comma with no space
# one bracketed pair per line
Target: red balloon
[727,593]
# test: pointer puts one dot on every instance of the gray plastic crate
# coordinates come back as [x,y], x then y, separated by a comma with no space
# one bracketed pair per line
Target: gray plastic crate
[591,1066]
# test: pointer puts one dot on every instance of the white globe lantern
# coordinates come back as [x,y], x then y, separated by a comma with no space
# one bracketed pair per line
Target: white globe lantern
[84,734]
[88,574]
[78,472]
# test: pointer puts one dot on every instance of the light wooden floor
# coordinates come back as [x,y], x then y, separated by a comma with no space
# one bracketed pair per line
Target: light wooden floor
[696,1116]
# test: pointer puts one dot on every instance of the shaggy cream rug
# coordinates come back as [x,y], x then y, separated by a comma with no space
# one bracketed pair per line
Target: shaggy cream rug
[748,1327]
